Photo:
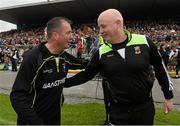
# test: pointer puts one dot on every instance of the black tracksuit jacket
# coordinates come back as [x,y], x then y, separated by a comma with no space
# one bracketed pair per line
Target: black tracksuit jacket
[130,78]
[36,96]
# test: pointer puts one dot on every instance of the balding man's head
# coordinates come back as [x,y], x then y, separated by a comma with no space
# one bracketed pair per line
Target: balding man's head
[111,15]
[110,23]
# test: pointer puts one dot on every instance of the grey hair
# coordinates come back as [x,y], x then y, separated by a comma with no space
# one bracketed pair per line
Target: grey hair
[55,24]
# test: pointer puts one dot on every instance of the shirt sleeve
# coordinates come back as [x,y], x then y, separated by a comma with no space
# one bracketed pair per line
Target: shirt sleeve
[76,63]
[160,71]
[19,96]
[92,69]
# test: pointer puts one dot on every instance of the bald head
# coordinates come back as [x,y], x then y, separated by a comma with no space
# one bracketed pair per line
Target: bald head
[110,23]
[112,15]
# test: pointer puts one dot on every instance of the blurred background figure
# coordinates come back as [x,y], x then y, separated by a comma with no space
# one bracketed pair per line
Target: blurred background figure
[164,53]
[14,59]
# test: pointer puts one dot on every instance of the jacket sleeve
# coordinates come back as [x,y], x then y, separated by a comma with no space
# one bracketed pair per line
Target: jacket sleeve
[76,63]
[92,69]
[160,71]
[20,98]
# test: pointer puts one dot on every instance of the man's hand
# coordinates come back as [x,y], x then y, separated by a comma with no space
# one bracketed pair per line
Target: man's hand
[168,105]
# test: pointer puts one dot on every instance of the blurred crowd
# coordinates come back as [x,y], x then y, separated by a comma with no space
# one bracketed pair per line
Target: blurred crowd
[165,34]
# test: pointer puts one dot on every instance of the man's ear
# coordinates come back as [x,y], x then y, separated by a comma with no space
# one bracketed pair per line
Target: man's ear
[118,22]
[55,35]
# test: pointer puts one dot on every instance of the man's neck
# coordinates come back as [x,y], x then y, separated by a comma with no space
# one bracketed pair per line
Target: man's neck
[53,48]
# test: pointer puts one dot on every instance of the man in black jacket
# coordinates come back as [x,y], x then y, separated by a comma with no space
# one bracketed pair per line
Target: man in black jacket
[14,58]
[126,61]
[37,91]
[178,63]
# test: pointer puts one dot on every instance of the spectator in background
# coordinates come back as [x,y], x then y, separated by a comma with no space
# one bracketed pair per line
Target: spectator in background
[80,48]
[178,64]
[1,55]
[164,53]
[173,58]
[14,58]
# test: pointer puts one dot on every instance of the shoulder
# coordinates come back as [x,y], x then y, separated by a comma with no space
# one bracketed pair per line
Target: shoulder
[150,42]
[32,54]
[137,39]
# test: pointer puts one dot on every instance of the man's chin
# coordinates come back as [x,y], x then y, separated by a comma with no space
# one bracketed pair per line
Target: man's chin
[105,38]
[66,47]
